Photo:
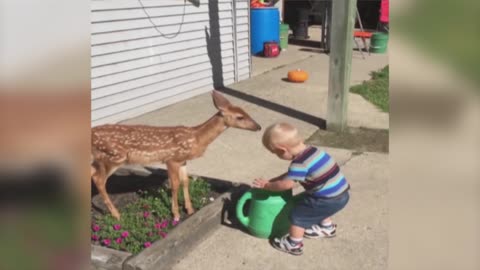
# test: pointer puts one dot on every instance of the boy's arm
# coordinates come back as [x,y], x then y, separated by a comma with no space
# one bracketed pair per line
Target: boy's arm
[296,173]
[280,185]
[279,178]
[275,184]
[285,181]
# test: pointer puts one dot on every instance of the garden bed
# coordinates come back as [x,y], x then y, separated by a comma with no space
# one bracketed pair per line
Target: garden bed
[146,237]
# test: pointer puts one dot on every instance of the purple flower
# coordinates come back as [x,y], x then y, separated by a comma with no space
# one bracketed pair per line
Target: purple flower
[118,240]
[175,222]
[162,234]
[106,242]
[147,244]
[95,228]
[146,214]
[125,234]
[117,227]
[95,237]
[158,225]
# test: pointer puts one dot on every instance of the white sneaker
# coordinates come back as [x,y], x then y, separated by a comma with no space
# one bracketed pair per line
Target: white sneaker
[284,245]
[318,231]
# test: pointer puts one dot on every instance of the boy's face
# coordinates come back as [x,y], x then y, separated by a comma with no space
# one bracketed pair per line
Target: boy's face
[282,153]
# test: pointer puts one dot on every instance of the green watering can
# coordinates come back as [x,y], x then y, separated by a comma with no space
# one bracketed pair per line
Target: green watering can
[268,213]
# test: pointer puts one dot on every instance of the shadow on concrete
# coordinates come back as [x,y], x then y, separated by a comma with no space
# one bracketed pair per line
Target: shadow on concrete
[229,211]
[356,139]
[311,119]
[306,43]
[313,50]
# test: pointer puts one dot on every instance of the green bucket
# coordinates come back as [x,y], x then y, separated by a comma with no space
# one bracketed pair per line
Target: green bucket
[378,42]
[284,36]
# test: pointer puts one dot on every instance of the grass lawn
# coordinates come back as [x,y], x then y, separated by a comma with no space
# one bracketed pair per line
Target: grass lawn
[376,89]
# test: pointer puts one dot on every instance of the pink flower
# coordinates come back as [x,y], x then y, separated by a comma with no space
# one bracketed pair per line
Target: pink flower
[106,242]
[147,244]
[118,240]
[161,225]
[95,228]
[162,234]
[175,222]
[164,224]
[125,234]
[146,214]
[117,227]
[95,237]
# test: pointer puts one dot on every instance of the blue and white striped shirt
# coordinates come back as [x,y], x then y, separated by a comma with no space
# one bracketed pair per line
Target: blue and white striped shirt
[318,173]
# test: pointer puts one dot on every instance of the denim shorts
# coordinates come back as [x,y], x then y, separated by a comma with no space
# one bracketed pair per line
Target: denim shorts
[311,210]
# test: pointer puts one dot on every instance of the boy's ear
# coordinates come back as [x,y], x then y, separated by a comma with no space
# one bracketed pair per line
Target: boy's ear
[282,148]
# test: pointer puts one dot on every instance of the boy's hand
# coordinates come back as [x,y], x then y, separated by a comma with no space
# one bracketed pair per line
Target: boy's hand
[260,183]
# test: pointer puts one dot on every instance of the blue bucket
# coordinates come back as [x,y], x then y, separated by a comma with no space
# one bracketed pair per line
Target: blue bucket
[264,26]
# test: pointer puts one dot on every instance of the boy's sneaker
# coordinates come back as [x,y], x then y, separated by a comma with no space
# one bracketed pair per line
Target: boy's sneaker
[283,244]
[318,231]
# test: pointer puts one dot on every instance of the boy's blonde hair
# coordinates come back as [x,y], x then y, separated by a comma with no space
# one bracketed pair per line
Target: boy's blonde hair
[281,134]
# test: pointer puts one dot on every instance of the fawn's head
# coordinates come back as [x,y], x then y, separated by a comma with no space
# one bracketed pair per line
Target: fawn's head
[234,116]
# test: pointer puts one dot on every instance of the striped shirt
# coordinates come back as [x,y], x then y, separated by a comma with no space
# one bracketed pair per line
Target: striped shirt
[318,173]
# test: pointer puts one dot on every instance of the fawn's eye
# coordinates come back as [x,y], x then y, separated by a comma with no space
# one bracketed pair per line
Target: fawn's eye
[240,117]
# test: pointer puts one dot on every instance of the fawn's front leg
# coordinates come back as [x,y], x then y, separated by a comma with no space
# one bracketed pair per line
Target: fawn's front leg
[100,177]
[174,177]
[186,194]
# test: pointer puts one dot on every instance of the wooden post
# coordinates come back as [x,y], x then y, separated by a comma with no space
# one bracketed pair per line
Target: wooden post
[341,36]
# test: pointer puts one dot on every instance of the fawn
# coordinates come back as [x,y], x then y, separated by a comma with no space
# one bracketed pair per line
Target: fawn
[117,145]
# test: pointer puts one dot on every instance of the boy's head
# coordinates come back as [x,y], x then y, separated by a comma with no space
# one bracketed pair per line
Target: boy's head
[283,140]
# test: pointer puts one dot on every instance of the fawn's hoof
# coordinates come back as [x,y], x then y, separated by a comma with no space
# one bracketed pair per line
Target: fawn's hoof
[190,212]
[116,215]
[176,218]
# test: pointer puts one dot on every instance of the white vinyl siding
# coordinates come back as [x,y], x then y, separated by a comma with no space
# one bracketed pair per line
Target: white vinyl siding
[137,67]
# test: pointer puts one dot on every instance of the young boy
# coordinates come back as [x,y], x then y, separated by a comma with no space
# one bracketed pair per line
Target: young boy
[326,189]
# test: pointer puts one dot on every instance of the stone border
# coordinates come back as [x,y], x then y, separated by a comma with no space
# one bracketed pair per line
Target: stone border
[107,258]
[169,251]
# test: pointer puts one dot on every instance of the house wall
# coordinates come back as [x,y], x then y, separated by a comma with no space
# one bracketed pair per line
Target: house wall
[137,67]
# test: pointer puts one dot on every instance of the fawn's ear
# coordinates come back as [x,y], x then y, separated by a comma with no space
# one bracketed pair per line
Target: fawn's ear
[220,102]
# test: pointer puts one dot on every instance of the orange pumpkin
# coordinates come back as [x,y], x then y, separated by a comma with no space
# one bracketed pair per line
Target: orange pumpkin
[297,75]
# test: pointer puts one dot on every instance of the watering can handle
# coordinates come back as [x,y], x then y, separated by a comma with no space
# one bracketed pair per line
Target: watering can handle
[240,204]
